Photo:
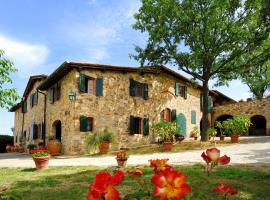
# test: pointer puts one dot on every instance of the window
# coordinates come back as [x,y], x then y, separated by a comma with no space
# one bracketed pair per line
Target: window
[193,117]
[138,89]
[168,115]
[34,99]
[55,93]
[139,125]
[35,131]
[91,85]
[24,106]
[86,124]
[180,90]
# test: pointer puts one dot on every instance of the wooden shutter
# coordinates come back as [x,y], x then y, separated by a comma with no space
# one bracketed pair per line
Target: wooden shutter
[58,91]
[173,115]
[210,104]
[177,89]
[145,126]
[185,92]
[132,87]
[31,100]
[145,94]
[83,124]
[82,84]
[132,125]
[24,106]
[193,117]
[99,87]
[36,98]
[51,97]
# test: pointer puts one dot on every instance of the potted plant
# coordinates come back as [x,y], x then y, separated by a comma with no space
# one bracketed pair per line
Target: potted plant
[8,148]
[41,159]
[211,132]
[54,146]
[222,129]
[195,132]
[236,126]
[121,158]
[102,140]
[166,131]
[31,147]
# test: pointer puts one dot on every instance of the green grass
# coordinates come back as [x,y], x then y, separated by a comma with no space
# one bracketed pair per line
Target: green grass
[72,182]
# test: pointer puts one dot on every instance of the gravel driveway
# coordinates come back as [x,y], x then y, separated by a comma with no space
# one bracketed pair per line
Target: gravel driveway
[257,151]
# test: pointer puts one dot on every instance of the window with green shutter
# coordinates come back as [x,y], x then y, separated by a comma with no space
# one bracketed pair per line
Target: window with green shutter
[132,125]
[173,115]
[99,87]
[132,87]
[145,91]
[177,89]
[82,85]
[51,95]
[24,106]
[145,126]
[83,123]
[185,92]
[193,117]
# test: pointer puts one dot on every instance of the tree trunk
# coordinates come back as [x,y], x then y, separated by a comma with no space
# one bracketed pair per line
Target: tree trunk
[205,122]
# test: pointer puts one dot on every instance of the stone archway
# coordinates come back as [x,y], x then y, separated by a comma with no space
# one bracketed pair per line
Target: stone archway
[222,118]
[57,130]
[258,126]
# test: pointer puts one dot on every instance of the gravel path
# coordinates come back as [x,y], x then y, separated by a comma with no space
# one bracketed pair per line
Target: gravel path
[257,151]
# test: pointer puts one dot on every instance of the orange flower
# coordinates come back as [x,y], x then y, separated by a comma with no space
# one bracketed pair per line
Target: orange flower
[159,164]
[170,184]
[103,186]
[136,173]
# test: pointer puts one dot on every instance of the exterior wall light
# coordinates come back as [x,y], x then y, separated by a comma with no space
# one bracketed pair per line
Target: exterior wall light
[72,97]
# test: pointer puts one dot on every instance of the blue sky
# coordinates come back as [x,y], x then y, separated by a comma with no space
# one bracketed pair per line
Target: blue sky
[40,35]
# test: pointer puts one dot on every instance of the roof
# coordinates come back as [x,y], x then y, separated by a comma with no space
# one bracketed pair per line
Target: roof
[15,107]
[66,67]
[32,81]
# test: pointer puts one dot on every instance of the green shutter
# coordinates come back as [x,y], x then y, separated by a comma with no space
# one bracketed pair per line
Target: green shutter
[193,117]
[83,124]
[145,94]
[132,125]
[145,126]
[201,101]
[24,106]
[82,82]
[210,104]
[51,95]
[177,89]
[132,87]
[173,115]
[99,87]
[31,100]
[185,92]
[36,98]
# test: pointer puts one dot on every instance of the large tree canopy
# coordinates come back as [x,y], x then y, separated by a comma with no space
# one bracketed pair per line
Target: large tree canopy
[8,96]
[217,33]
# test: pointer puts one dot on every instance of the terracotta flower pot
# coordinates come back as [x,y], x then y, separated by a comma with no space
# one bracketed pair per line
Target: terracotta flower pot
[167,146]
[104,147]
[12,149]
[222,138]
[41,162]
[195,137]
[122,163]
[21,149]
[234,138]
[54,147]
[8,148]
[16,149]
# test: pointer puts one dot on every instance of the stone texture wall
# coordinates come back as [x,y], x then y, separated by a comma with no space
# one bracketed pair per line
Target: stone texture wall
[114,108]
[18,121]
[249,108]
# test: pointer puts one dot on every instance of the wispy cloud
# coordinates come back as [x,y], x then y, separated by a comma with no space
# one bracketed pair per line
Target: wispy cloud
[109,26]
[26,56]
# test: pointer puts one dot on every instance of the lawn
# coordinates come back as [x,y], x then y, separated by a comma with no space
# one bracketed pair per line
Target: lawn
[72,182]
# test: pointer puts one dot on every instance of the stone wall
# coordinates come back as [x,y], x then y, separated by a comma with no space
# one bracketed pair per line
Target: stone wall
[248,108]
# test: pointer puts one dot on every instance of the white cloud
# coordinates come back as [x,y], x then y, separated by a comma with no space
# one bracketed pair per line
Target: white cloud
[26,56]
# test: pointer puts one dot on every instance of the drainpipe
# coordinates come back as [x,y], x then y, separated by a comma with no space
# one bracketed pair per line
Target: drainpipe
[44,114]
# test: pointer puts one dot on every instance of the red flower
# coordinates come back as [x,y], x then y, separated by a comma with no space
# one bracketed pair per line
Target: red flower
[136,173]
[213,155]
[170,184]
[159,164]
[103,186]
[226,189]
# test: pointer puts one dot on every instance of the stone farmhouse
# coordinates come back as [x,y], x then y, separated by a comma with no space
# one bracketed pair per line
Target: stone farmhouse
[80,98]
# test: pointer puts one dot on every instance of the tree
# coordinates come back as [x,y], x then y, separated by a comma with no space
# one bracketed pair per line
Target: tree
[8,96]
[216,35]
